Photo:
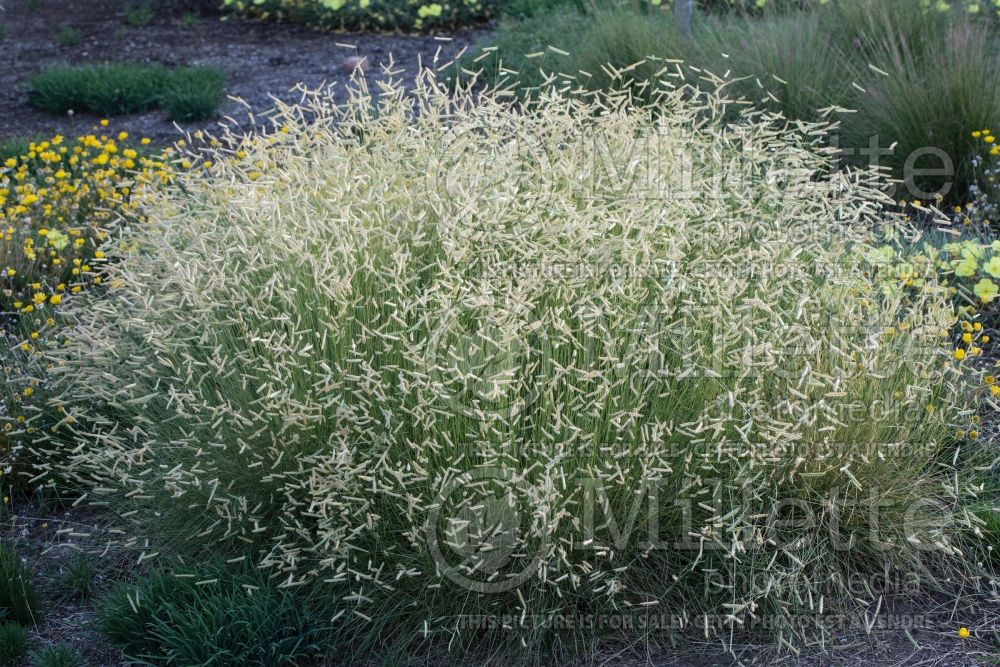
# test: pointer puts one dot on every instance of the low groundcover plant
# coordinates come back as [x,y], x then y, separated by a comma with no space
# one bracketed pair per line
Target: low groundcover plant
[471,368]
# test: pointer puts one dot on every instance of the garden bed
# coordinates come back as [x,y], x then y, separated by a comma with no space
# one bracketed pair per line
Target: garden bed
[50,536]
[259,59]
[208,397]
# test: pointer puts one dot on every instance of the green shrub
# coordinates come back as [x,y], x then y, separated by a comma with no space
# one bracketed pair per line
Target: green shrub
[139,16]
[18,597]
[528,8]
[187,93]
[107,90]
[193,93]
[13,643]
[68,36]
[58,655]
[372,14]
[397,358]
[210,616]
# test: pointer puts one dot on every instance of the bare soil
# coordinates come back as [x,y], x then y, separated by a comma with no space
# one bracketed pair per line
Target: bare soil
[260,59]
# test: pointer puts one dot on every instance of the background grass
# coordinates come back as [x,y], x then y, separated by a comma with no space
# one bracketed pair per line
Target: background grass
[241,617]
[913,78]
[193,93]
[19,600]
[107,90]
[187,93]
[56,655]
[13,643]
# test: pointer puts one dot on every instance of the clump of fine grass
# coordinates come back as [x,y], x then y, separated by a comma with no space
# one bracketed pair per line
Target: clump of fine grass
[56,655]
[14,147]
[493,361]
[18,598]
[139,15]
[189,616]
[69,36]
[187,93]
[783,62]
[13,643]
[933,88]
[193,93]
[78,577]
[609,49]
[910,82]
[108,90]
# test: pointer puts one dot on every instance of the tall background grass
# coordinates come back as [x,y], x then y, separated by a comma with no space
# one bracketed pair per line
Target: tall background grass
[911,77]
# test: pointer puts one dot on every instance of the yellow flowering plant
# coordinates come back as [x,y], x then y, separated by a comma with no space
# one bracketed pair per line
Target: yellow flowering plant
[968,261]
[372,14]
[984,194]
[61,201]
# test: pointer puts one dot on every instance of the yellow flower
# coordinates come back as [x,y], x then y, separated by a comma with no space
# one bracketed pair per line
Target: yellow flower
[986,290]
[55,299]
[964,633]
[959,355]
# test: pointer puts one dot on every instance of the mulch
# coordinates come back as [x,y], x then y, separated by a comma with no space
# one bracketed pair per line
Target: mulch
[260,59]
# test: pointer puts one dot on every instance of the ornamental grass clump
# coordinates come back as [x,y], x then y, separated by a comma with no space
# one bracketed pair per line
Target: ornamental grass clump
[470,369]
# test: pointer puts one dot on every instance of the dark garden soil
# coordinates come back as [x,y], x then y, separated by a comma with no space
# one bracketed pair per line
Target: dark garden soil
[48,538]
[260,59]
